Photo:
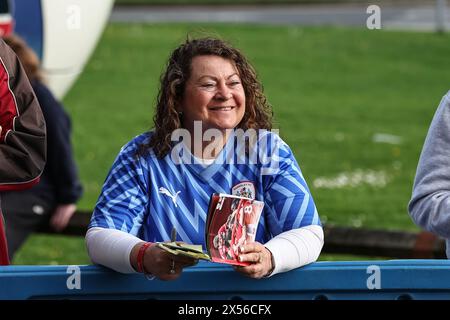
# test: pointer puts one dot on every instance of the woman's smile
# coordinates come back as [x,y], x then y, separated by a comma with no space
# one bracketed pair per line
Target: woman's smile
[213,94]
[219,108]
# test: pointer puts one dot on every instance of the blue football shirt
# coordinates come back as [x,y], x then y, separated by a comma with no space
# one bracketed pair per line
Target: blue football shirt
[147,197]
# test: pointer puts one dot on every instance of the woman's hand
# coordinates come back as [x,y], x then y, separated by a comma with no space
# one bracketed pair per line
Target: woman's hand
[260,258]
[162,264]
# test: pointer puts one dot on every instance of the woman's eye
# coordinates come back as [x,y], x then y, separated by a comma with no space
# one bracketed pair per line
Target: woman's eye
[234,83]
[208,85]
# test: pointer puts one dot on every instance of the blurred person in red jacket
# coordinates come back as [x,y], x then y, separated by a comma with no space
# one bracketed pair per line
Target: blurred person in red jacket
[22,133]
[52,201]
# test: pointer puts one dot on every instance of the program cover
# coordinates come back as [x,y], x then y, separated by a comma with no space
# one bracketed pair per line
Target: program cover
[232,221]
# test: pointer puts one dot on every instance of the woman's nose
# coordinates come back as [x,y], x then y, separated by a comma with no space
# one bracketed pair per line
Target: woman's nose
[223,93]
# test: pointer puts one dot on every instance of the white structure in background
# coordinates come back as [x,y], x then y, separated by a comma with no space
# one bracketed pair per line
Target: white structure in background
[5,18]
[441,15]
[71,31]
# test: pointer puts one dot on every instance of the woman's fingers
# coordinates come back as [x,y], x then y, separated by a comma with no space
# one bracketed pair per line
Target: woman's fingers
[251,247]
[259,257]
[167,266]
[253,257]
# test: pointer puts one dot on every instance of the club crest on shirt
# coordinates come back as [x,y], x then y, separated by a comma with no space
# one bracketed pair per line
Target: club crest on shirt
[244,189]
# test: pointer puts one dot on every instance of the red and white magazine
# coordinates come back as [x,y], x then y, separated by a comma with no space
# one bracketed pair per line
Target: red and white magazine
[232,221]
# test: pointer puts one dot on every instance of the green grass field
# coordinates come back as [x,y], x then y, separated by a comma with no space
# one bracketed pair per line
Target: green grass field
[333,90]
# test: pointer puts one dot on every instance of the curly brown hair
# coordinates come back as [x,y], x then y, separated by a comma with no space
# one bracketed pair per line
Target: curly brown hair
[258,112]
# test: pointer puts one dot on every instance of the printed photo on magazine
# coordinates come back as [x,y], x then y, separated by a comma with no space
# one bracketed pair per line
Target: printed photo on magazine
[232,221]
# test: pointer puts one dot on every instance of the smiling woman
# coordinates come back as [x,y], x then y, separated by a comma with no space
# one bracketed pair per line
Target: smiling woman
[212,73]
[147,193]
[214,94]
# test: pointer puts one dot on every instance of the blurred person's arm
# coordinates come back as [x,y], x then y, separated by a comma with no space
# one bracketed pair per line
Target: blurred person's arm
[62,215]
[22,139]
[61,168]
[430,203]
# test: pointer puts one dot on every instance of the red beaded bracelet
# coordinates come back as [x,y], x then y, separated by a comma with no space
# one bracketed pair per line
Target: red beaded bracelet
[140,257]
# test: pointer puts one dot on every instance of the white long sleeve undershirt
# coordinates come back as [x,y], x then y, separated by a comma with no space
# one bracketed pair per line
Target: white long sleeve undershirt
[290,249]
[111,248]
[295,248]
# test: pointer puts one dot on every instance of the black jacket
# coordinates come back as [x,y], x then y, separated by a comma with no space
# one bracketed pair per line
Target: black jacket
[59,182]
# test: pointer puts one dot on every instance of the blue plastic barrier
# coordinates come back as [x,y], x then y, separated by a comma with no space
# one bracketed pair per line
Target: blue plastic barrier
[395,279]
